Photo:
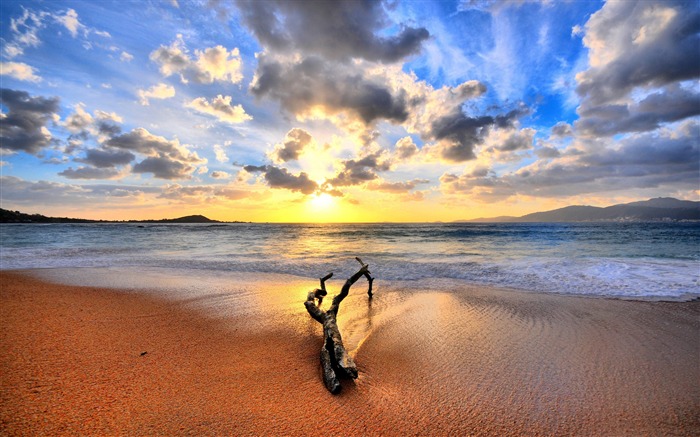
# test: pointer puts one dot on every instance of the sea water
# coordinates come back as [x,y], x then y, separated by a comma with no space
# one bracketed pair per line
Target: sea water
[627,260]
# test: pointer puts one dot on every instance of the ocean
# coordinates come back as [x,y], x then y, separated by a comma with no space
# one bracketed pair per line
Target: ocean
[624,260]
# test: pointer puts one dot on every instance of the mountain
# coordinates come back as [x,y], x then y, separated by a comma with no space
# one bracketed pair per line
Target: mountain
[186,219]
[7,216]
[659,209]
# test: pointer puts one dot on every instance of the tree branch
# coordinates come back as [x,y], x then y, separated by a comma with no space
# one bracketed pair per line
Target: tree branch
[335,361]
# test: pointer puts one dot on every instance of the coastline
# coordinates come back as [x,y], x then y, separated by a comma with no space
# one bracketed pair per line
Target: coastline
[244,360]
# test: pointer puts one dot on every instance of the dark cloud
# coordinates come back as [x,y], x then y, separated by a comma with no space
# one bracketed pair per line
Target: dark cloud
[90,173]
[672,103]
[458,134]
[254,168]
[642,161]
[639,44]
[292,146]
[562,130]
[334,29]
[164,168]
[141,141]
[313,82]
[23,127]
[358,171]
[166,159]
[108,129]
[545,152]
[520,140]
[102,158]
[277,177]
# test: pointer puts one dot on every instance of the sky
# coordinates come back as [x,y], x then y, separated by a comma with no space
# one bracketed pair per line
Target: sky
[345,111]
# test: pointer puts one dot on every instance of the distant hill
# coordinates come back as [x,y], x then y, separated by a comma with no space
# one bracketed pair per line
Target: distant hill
[659,209]
[186,219]
[7,216]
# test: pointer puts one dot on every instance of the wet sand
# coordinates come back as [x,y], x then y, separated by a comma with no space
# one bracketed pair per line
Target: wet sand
[82,360]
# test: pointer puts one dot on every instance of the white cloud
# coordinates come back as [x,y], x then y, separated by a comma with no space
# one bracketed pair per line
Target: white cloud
[221,108]
[70,21]
[208,65]
[25,32]
[79,120]
[159,91]
[19,71]
[220,153]
[126,57]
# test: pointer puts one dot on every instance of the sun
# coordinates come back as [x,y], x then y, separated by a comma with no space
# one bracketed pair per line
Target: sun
[322,202]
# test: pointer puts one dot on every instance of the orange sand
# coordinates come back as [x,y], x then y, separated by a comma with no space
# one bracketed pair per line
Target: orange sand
[474,362]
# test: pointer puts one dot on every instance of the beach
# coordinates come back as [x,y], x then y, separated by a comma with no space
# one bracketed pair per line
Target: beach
[243,359]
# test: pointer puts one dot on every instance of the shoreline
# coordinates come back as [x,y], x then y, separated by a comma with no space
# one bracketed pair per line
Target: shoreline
[119,280]
[244,360]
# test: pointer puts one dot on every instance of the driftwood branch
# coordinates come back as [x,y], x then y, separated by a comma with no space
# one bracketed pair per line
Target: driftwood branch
[335,361]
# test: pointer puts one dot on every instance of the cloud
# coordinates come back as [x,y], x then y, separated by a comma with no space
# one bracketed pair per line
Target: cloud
[359,171]
[405,148]
[19,71]
[17,191]
[395,187]
[202,193]
[277,177]
[669,159]
[21,191]
[545,152]
[70,21]
[141,141]
[79,120]
[303,87]
[639,44]
[25,32]
[166,159]
[338,30]
[562,130]
[159,91]
[458,134]
[23,128]
[92,173]
[220,153]
[102,125]
[340,68]
[102,158]
[221,108]
[516,140]
[671,103]
[293,145]
[211,64]
[126,57]
[220,175]
[164,167]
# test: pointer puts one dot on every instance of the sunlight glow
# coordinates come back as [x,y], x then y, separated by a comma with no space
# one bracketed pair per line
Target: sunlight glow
[322,202]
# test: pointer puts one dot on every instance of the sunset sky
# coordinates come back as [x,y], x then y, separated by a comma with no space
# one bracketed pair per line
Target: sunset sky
[314,111]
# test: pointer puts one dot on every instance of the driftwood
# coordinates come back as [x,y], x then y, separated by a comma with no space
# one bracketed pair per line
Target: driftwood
[335,361]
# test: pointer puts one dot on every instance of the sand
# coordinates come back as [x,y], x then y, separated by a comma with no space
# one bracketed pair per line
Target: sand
[82,360]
